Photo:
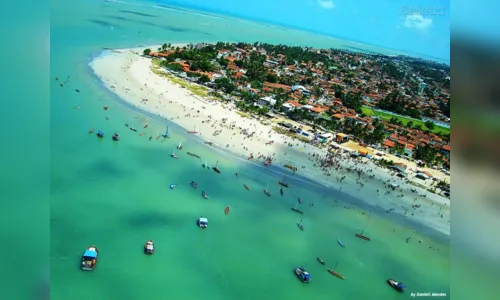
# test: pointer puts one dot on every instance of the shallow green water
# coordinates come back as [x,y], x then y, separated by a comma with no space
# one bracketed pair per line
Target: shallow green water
[116,195]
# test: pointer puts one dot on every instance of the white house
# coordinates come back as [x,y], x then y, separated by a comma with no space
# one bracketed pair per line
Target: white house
[287,107]
[270,63]
[266,101]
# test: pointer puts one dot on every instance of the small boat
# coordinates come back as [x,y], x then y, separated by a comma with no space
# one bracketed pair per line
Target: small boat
[247,187]
[283,183]
[166,136]
[100,134]
[398,286]
[205,165]
[105,108]
[334,273]
[340,243]
[193,131]
[89,258]
[194,184]
[297,210]
[172,186]
[361,236]
[116,137]
[215,167]
[281,192]
[301,227]
[174,155]
[149,247]
[226,211]
[300,200]
[180,146]
[321,261]
[204,195]
[289,166]
[266,190]
[77,90]
[202,222]
[194,155]
[91,130]
[302,274]
[408,240]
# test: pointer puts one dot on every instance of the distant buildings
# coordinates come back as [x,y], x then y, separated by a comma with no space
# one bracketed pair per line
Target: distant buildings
[266,101]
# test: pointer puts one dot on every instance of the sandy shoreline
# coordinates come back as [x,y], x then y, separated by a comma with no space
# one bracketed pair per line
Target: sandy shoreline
[129,75]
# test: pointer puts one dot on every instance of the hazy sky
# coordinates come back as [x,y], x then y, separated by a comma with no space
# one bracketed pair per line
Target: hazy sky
[417,26]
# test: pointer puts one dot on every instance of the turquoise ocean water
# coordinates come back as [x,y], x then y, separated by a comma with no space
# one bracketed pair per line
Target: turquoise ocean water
[116,195]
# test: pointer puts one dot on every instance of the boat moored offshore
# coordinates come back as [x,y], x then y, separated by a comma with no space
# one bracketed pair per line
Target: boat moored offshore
[203,222]
[89,258]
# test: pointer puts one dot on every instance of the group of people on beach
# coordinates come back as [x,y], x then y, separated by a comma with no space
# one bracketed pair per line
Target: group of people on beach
[336,165]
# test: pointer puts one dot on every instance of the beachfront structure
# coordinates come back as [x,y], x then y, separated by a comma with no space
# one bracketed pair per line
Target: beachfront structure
[363,152]
[400,167]
[266,101]
[326,135]
[341,138]
[287,107]
[424,175]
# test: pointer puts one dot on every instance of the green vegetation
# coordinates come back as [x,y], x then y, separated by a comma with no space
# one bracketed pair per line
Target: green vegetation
[194,88]
[367,111]
[395,102]
[404,121]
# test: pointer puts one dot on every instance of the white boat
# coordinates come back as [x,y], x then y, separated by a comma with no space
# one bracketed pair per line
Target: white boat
[180,146]
[203,222]
[174,155]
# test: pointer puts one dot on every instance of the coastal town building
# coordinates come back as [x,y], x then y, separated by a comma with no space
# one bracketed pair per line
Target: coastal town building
[336,89]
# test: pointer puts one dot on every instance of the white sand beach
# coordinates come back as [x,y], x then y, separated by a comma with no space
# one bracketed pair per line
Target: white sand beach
[129,75]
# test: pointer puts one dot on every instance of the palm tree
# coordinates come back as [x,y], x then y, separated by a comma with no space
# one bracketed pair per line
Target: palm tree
[164,47]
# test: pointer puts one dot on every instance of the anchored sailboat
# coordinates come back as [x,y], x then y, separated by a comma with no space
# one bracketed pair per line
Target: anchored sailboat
[301,227]
[174,155]
[297,210]
[193,131]
[133,128]
[266,190]
[361,236]
[336,273]
[180,146]
[205,165]
[215,167]
[166,136]
[283,182]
